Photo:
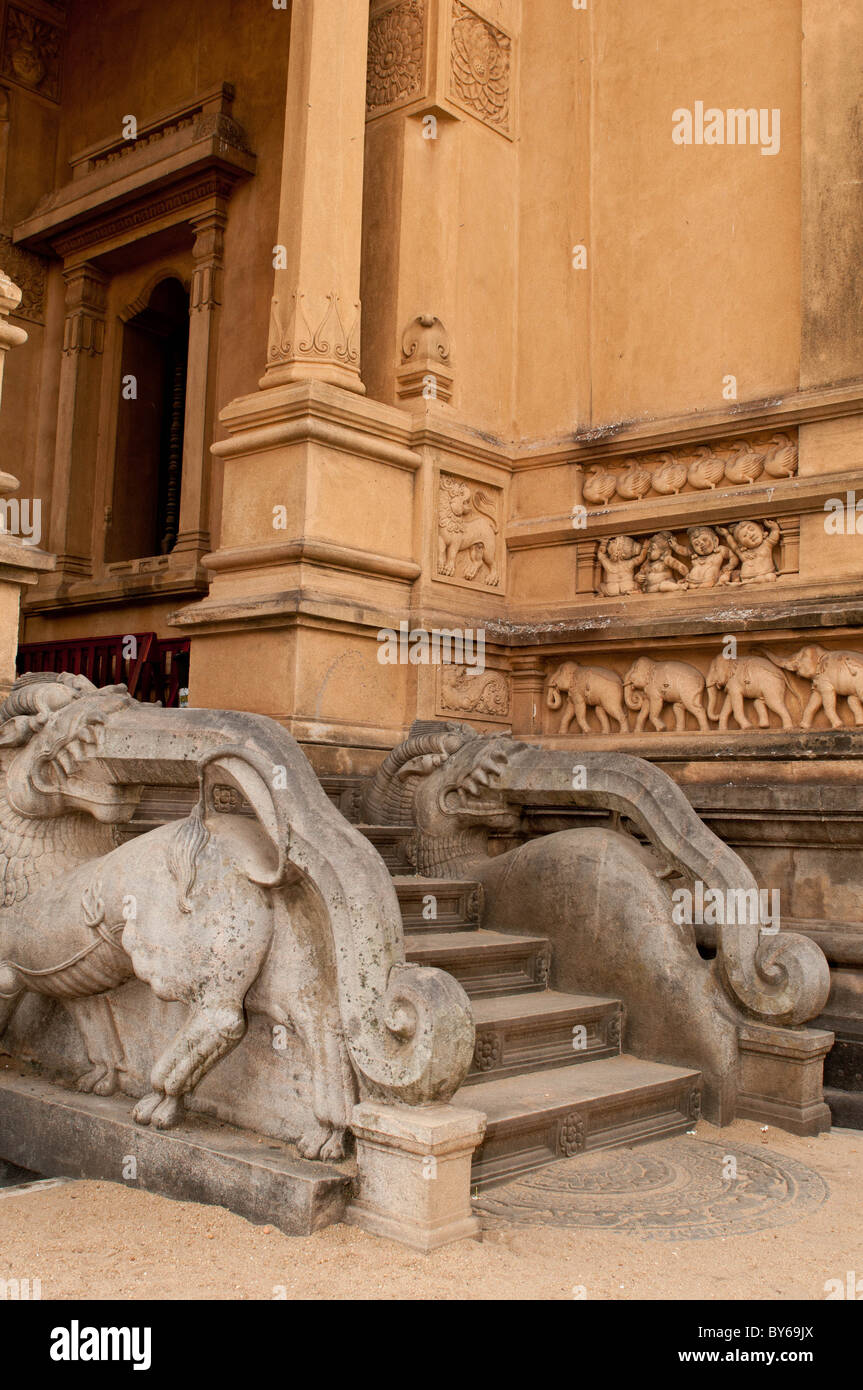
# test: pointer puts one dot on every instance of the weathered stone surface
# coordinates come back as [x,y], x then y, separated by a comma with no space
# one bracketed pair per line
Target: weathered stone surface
[602,901]
[45,1128]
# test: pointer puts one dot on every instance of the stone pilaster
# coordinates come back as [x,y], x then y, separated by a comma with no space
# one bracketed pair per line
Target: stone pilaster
[315,312]
[205,300]
[78,418]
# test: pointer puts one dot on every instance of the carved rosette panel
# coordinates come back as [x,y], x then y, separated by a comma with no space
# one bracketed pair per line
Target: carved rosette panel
[464,690]
[571,1135]
[30,274]
[396,56]
[488,1051]
[481,68]
[765,459]
[31,53]
[469,537]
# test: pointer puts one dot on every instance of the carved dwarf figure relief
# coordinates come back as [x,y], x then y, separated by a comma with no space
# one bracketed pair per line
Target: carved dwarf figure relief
[619,558]
[712,562]
[467,523]
[663,564]
[753,543]
[657,573]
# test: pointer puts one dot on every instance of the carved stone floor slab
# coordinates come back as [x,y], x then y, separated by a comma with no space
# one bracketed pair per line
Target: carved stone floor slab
[53,1131]
[678,1189]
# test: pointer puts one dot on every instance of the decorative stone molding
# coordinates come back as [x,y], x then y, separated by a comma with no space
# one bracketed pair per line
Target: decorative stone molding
[469,545]
[396,56]
[426,370]
[464,690]
[480,68]
[702,468]
[31,53]
[330,332]
[704,557]
[30,273]
[721,689]
[118,186]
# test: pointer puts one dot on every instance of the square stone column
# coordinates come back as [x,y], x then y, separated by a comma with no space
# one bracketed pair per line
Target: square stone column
[315,312]
[19,564]
[413,1182]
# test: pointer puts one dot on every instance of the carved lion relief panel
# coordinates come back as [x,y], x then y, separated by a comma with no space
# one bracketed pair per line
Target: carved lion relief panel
[469,539]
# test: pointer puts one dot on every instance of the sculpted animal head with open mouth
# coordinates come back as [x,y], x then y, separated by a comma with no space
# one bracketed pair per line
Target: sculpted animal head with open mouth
[49,731]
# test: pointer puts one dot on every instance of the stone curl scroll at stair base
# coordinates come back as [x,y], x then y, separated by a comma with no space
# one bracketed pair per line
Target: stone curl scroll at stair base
[263,912]
[598,897]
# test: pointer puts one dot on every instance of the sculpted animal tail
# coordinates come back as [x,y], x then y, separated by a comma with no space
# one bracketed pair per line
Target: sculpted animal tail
[483,504]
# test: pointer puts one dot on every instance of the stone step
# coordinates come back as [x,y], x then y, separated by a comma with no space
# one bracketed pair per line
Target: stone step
[538,1117]
[390,841]
[438,904]
[526,1032]
[484,962]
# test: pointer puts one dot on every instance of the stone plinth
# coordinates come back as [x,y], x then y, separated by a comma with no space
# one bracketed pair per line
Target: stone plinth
[413,1181]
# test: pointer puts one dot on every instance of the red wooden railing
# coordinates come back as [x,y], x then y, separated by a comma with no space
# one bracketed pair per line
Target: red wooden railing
[154,669]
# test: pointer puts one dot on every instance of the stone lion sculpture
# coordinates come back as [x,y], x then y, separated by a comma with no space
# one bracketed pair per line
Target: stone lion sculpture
[602,898]
[277,907]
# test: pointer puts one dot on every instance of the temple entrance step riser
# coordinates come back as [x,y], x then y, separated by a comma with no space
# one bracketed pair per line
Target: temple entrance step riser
[438,904]
[538,1031]
[484,963]
[551,1115]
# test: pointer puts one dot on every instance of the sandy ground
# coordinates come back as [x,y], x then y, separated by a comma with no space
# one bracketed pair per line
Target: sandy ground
[103,1240]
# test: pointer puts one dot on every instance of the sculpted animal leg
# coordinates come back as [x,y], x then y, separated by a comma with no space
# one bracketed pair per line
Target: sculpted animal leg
[761,713]
[568,712]
[828,699]
[96,1024]
[856,708]
[679,716]
[333,1085]
[450,550]
[723,714]
[695,707]
[656,706]
[212,1030]
[476,553]
[811,710]
[581,715]
[11,993]
[642,717]
[603,720]
[778,706]
[737,706]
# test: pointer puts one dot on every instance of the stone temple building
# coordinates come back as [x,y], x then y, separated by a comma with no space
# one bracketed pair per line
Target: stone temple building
[497,363]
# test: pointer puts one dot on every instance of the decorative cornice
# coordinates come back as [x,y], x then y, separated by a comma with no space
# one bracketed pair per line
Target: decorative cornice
[315,552]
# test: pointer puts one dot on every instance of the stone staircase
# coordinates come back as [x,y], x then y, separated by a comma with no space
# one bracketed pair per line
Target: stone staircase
[547,1071]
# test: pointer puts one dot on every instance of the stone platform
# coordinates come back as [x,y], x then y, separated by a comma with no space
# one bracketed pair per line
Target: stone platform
[48,1129]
